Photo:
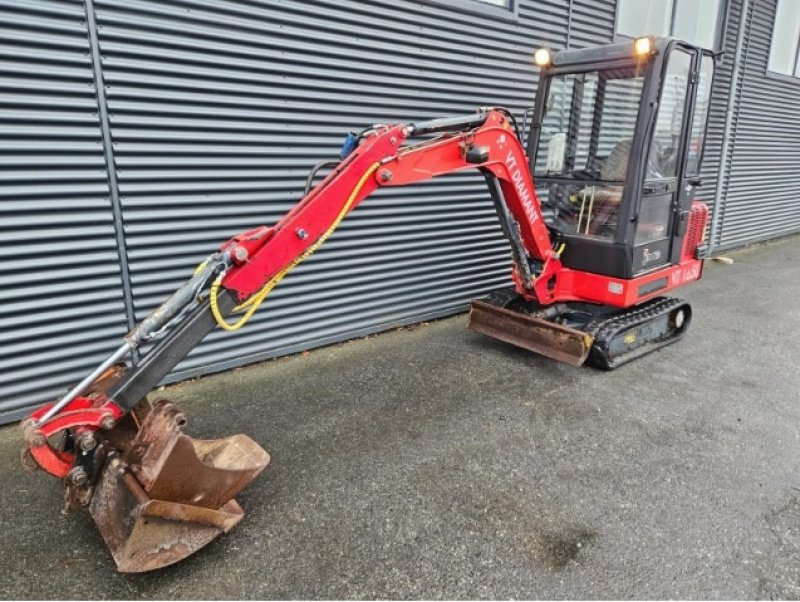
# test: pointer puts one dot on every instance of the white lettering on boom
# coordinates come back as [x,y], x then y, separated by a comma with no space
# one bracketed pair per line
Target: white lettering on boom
[523,191]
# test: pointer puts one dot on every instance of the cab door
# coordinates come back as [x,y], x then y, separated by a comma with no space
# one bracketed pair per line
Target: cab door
[664,189]
[694,151]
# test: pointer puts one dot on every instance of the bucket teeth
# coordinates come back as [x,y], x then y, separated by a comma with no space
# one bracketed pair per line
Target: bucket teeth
[171,494]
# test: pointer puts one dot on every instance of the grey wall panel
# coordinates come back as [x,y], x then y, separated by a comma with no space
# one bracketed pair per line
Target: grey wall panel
[716,119]
[762,196]
[592,22]
[61,303]
[219,108]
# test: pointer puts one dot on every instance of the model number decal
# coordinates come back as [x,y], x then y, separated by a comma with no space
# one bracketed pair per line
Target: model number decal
[685,275]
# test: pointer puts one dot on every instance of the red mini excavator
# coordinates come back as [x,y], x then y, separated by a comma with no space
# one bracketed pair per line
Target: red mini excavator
[615,142]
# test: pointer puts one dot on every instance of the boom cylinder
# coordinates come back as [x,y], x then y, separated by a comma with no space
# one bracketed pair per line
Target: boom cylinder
[448,124]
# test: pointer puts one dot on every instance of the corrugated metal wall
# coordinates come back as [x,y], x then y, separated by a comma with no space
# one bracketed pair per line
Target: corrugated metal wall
[592,23]
[716,117]
[61,300]
[216,109]
[762,198]
[219,109]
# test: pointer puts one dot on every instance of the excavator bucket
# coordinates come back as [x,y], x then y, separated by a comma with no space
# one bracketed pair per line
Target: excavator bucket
[535,334]
[168,495]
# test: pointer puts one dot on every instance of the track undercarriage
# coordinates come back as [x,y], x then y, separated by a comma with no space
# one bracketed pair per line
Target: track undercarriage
[576,333]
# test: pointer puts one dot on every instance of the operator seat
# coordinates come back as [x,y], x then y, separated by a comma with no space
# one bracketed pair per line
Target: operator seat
[605,200]
[616,163]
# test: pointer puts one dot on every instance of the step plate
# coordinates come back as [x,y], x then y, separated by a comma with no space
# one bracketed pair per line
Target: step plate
[552,340]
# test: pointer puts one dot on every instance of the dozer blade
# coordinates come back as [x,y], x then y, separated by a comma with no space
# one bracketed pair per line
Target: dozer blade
[545,338]
[170,495]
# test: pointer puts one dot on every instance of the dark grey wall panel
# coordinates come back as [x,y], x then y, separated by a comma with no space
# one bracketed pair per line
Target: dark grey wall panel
[218,110]
[592,22]
[61,306]
[762,196]
[716,118]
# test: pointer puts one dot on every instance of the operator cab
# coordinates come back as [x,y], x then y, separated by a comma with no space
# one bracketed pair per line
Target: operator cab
[616,142]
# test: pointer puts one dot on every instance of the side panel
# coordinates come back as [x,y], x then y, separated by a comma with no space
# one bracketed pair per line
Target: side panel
[695,230]
[619,292]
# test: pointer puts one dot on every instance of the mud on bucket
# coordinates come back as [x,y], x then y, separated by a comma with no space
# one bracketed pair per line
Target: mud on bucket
[170,495]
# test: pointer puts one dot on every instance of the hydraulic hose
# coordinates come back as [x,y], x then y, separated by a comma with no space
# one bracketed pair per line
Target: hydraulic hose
[313,173]
[253,303]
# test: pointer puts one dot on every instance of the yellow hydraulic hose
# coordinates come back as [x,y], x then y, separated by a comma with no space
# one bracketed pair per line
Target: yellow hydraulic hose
[254,302]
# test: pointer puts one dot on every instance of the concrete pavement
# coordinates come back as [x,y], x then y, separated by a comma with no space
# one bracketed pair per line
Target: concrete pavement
[433,462]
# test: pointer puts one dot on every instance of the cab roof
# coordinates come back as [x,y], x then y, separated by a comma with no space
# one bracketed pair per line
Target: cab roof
[604,54]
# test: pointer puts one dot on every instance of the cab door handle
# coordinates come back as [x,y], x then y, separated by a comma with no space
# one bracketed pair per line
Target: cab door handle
[653,188]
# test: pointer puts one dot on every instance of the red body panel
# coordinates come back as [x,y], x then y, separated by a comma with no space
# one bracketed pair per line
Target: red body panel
[572,285]
[81,414]
[696,230]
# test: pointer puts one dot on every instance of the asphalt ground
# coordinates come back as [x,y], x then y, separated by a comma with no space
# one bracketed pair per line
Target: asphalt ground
[432,462]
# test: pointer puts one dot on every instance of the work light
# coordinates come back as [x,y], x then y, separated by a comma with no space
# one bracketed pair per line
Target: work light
[643,46]
[543,57]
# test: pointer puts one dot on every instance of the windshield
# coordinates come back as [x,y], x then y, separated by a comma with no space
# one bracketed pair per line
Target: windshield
[588,125]
[584,146]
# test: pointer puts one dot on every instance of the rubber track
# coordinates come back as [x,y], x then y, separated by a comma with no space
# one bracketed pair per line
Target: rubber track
[605,330]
